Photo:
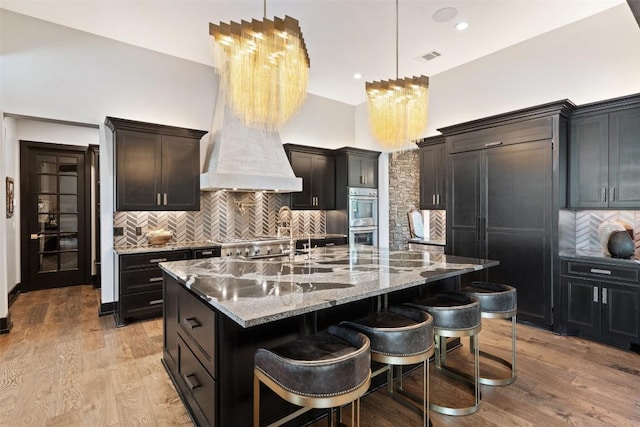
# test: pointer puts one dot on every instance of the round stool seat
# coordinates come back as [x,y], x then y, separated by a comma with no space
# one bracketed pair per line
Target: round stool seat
[398,332]
[493,297]
[452,311]
[326,364]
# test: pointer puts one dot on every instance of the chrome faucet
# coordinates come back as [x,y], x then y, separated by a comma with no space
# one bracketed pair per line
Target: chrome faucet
[285,218]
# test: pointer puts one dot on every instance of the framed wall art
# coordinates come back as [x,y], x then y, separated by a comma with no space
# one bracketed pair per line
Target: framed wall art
[10,197]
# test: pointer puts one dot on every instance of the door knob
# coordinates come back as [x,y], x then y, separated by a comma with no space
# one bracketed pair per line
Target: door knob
[36,236]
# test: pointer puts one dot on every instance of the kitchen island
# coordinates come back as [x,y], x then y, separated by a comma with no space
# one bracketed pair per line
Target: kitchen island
[217,312]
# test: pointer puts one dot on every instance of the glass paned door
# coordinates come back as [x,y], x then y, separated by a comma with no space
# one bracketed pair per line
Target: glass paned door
[56,217]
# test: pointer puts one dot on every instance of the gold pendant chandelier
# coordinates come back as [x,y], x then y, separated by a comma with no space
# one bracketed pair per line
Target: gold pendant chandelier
[265,69]
[398,108]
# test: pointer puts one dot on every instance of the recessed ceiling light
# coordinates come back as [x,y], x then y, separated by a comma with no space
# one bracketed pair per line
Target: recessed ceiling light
[357,76]
[461,26]
[445,14]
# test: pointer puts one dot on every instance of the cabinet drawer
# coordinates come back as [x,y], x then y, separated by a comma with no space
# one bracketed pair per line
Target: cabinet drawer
[197,327]
[150,259]
[198,382]
[206,252]
[601,271]
[144,304]
[530,130]
[136,281]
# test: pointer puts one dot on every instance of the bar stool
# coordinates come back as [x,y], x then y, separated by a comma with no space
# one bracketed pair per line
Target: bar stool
[325,370]
[497,301]
[454,315]
[400,336]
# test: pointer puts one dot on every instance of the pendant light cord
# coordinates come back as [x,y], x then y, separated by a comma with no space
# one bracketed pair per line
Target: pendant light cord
[396,39]
[265,9]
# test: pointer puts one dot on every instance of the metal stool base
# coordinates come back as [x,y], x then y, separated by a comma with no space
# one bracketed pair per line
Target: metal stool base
[511,365]
[472,382]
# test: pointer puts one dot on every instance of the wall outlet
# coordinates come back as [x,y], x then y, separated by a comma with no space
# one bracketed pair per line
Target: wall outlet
[138,231]
[118,231]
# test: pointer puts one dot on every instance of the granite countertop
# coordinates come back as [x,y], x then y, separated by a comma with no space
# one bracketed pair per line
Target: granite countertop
[597,255]
[253,292]
[137,249]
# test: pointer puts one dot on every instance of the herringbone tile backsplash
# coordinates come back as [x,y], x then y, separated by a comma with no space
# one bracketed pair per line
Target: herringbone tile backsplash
[580,228]
[222,215]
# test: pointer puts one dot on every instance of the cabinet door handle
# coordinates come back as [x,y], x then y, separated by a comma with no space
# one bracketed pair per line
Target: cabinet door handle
[477,228]
[612,193]
[595,294]
[192,384]
[493,144]
[433,199]
[330,244]
[155,302]
[165,198]
[438,199]
[155,279]
[206,253]
[603,194]
[600,271]
[158,202]
[604,296]
[191,323]
[154,260]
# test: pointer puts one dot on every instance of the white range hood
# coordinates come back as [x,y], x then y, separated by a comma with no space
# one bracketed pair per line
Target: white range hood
[241,158]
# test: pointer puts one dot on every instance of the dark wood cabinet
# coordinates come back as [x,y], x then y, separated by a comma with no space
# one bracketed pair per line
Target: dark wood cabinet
[156,166]
[501,200]
[602,301]
[433,173]
[357,168]
[316,167]
[140,284]
[605,155]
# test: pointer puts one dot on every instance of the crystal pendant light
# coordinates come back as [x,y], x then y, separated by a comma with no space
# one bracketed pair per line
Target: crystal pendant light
[264,69]
[398,108]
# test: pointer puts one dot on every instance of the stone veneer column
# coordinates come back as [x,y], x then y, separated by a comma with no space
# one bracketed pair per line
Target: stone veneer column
[404,192]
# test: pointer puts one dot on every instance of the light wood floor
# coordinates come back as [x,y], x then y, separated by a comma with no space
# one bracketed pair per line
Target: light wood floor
[62,365]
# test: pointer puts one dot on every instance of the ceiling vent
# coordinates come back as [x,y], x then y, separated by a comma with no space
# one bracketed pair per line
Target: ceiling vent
[433,54]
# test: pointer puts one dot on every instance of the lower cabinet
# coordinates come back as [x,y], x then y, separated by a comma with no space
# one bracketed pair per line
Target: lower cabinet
[321,243]
[602,301]
[189,351]
[140,284]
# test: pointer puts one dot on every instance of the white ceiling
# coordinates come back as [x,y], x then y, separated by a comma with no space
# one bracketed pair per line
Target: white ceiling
[343,37]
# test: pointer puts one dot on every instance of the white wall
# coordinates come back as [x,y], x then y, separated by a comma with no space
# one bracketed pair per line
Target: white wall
[10,153]
[4,290]
[591,60]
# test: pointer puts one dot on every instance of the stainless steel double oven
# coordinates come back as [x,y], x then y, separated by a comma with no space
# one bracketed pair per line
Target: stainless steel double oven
[363,216]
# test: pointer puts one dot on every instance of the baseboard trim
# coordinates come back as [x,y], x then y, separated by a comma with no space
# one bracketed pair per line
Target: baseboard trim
[13,295]
[5,325]
[106,308]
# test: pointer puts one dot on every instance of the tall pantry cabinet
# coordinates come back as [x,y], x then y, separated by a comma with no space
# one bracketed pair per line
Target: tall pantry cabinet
[505,186]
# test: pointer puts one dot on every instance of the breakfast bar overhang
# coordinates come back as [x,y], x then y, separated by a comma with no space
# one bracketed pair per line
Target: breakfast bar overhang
[218,311]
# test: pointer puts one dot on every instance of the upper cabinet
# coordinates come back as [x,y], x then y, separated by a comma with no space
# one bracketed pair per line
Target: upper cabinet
[156,166]
[432,172]
[604,169]
[357,168]
[316,167]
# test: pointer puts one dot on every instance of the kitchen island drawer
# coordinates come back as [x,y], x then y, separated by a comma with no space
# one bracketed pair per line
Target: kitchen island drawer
[200,387]
[514,133]
[143,304]
[136,281]
[197,326]
[600,271]
[151,259]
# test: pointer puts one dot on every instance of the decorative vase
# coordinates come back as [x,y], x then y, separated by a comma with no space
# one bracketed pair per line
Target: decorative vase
[621,245]
[605,230]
